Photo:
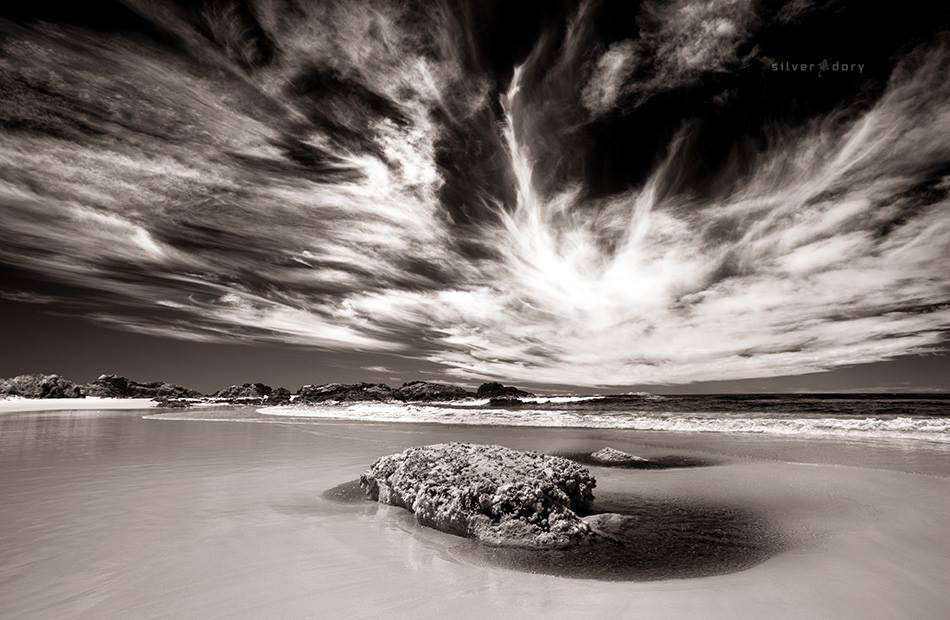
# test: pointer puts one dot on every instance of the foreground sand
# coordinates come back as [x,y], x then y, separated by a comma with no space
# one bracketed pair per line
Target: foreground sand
[110,515]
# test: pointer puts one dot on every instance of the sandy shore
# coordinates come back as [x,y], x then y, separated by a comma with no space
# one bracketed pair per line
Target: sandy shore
[116,516]
[90,403]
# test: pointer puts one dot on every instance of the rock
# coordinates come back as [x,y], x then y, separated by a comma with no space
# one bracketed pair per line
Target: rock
[610,456]
[114,386]
[39,386]
[172,403]
[491,493]
[279,396]
[430,392]
[505,402]
[256,391]
[345,392]
[497,390]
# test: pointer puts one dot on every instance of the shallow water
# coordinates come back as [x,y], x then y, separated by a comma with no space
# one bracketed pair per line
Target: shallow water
[105,514]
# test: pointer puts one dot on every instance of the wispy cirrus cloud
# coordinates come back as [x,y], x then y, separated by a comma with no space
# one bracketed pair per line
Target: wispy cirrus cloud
[283,178]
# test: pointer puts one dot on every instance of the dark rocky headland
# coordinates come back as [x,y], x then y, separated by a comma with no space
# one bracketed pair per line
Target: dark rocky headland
[106,386]
[171,395]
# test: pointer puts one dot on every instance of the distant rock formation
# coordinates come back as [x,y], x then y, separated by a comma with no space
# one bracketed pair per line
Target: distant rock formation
[491,493]
[252,393]
[39,386]
[279,396]
[345,392]
[245,391]
[172,403]
[494,389]
[428,391]
[114,386]
[611,456]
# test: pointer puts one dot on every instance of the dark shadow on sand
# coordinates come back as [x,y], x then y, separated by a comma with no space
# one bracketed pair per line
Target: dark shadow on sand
[651,539]
[660,462]
[654,539]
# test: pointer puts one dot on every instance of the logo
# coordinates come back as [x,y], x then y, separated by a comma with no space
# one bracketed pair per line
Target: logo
[820,67]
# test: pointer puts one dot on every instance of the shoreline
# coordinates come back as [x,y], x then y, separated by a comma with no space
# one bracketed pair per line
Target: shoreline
[89,403]
[884,454]
[899,428]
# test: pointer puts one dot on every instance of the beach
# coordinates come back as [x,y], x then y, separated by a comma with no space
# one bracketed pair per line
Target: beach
[107,514]
[89,403]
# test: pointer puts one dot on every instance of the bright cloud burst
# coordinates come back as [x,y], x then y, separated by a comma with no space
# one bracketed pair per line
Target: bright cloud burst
[219,195]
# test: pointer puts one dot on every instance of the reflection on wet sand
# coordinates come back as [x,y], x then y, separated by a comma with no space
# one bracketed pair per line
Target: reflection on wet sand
[647,539]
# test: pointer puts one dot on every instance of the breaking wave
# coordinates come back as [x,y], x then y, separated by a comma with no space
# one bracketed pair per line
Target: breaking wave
[928,429]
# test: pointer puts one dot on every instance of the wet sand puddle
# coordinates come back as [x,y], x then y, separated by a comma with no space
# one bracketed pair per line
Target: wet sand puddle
[642,538]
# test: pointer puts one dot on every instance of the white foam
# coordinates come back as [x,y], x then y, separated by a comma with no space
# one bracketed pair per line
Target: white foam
[930,429]
[528,400]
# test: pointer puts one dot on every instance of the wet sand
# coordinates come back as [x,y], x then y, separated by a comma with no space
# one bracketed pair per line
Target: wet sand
[106,514]
[10,405]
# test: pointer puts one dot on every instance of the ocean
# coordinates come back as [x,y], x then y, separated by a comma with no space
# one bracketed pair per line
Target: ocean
[921,417]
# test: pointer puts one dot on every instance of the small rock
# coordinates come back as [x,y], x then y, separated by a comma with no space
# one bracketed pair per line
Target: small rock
[172,403]
[612,456]
[494,389]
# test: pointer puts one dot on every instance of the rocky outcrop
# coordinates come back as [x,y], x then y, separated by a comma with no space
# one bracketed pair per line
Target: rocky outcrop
[279,396]
[114,386]
[431,392]
[497,390]
[39,386]
[172,403]
[246,391]
[611,456]
[491,493]
[345,392]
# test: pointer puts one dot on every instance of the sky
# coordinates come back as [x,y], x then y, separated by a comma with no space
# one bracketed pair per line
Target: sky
[694,195]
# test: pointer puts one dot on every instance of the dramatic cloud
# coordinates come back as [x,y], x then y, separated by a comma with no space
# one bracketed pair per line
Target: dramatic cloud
[348,176]
[679,43]
[609,76]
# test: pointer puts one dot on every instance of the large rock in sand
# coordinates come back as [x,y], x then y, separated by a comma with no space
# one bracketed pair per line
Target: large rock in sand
[491,493]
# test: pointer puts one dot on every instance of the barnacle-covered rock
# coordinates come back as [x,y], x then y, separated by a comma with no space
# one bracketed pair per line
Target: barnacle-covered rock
[491,493]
